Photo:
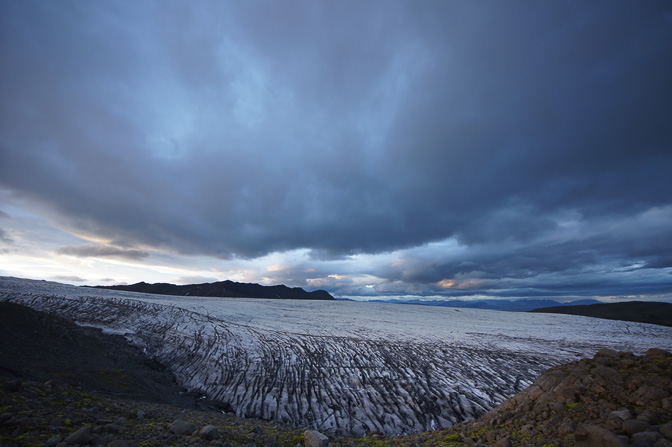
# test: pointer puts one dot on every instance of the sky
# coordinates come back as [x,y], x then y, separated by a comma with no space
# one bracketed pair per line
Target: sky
[440,149]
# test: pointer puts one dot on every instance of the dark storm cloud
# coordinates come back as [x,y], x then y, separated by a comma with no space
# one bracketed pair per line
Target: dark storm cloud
[4,237]
[599,256]
[235,130]
[68,278]
[98,251]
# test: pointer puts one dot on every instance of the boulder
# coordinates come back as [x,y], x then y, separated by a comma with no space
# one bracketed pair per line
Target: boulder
[654,394]
[14,385]
[314,438]
[658,353]
[557,407]
[112,428]
[209,432]
[504,442]
[588,435]
[609,353]
[648,416]
[182,427]
[613,423]
[666,430]
[632,426]
[650,435]
[81,436]
[624,414]
[606,375]
[566,428]
[117,443]
[51,442]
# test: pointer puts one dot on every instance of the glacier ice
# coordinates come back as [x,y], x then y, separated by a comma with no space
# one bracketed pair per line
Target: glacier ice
[341,367]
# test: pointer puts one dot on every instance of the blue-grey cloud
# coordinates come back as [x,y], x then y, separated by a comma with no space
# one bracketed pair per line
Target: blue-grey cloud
[238,129]
[68,278]
[101,251]
[4,237]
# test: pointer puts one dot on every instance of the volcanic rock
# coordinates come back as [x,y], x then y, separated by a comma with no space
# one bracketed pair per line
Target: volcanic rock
[182,427]
[81,436]
[614,398]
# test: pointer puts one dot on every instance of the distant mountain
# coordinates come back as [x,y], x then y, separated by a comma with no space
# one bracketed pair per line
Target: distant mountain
[637,311]
[523,305]
[229,289]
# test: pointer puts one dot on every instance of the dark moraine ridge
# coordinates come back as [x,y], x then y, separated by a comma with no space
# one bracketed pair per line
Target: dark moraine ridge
[636,311]
[226,289]
[44,347]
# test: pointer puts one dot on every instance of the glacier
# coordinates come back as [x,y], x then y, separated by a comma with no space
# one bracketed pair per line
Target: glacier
[341,367]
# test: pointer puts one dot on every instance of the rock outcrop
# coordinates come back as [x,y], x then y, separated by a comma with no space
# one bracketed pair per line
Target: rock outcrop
[613,399]
[314,438]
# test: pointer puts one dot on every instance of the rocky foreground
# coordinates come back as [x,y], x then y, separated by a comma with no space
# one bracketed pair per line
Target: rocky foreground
[613,399]
[347,369]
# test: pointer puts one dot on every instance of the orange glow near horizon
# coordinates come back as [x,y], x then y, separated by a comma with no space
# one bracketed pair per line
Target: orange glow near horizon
[446,283]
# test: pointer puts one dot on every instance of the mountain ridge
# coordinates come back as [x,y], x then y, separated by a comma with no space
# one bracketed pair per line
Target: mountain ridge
[224,289]
[635,311]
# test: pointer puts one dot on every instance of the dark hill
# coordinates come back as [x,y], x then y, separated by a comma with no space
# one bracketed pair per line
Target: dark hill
[637,311]
[227,289]
[40,346]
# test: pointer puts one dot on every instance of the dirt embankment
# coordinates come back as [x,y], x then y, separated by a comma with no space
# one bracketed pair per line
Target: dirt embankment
[42,347]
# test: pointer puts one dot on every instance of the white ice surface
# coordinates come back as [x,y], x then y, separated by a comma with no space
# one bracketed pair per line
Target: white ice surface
[341,366]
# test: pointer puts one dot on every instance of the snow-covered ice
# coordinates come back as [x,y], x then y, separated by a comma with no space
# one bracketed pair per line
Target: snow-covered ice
[341,366]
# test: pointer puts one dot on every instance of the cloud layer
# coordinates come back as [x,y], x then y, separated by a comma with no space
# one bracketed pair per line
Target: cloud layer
[435,147]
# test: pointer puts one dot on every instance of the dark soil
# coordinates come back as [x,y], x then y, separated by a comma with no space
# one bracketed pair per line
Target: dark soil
[42,347]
